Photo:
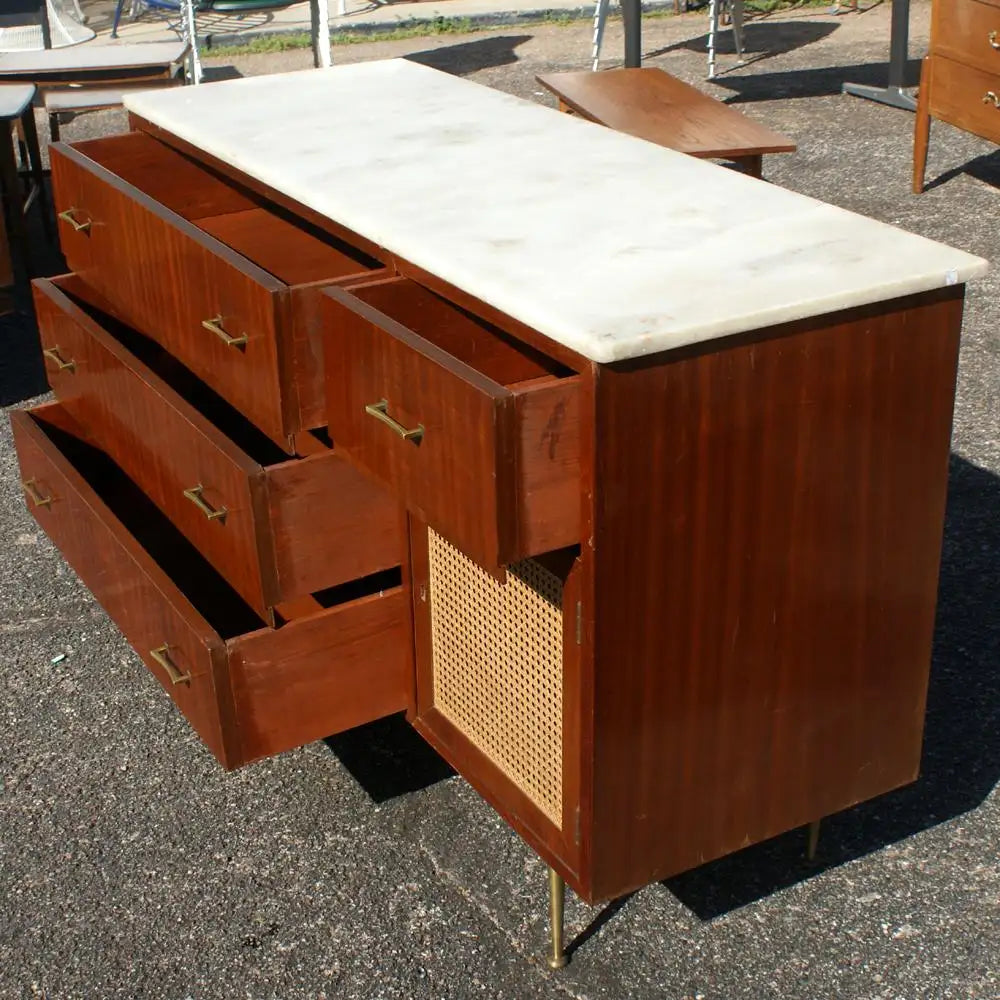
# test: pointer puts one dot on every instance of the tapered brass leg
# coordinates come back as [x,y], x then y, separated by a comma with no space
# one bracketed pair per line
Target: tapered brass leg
[557,897]
[813,840]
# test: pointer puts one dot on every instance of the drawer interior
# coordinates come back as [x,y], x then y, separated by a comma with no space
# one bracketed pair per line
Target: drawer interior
[210,594]
[188,386]
[461,334]
[289,248]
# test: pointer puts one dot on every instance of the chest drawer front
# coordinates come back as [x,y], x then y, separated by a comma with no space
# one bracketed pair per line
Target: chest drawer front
[210,307]
[161,625]
[968,31]
[193,473]
[247,690]
[486,463]
[967,98]
[251,515]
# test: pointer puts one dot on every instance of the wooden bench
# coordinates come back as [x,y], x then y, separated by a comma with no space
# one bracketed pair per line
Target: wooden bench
[653,105]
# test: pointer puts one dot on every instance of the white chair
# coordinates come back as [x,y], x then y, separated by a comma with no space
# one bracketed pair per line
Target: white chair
[715,10]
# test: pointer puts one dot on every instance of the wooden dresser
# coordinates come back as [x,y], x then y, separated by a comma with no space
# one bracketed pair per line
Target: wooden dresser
[364,408]
[960,78]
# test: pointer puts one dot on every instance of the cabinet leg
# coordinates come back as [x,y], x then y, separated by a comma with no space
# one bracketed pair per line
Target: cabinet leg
[813,842]
[557,897]
[922,127]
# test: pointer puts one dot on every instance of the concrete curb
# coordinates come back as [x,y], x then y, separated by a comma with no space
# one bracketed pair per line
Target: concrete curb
[475,21]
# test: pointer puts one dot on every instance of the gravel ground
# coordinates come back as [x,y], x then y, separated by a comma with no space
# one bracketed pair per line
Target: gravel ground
[131,866]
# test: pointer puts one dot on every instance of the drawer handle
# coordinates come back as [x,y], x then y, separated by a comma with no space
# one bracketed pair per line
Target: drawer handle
[379,411]
[215,325]
[79,227]
[195,496]
[994,44]
[63,366]
[31,488]
[161,656]
[991,98]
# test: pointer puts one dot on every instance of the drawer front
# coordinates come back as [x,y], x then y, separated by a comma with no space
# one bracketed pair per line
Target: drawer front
[432,429]
[333,670]
[175,643]
[214,310]
[968,31]
[209,488]
[966,97]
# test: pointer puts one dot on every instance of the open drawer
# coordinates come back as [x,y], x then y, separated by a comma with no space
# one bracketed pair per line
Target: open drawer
[342,658]
[243,503]
[473,430]
[224,280]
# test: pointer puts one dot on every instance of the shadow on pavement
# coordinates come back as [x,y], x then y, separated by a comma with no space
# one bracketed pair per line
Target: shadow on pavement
[470,57]
[389,758]
[761,39]
[816,82]
[985,168]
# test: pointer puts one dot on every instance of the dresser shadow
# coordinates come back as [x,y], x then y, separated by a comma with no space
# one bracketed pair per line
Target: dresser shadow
[961,755]
[388,758]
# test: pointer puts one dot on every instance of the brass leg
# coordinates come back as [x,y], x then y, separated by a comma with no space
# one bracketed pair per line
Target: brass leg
[813,840]
[557,896]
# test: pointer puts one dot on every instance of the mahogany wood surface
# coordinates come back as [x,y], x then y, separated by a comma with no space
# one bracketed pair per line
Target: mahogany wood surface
[962,31]
[175,278]
[144,603]
[151,426]
[960,78]
[465,474]
[261,691]
[653,105]
[764,604]
[318,675]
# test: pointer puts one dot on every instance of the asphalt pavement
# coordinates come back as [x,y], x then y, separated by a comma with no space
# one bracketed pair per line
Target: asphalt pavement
[131,866]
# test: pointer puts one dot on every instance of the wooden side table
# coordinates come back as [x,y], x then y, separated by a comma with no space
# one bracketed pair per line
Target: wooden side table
[653,105]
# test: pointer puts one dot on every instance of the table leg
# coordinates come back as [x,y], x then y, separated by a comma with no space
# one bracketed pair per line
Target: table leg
[35,165]
[752,165]
[10,182]
[922,128]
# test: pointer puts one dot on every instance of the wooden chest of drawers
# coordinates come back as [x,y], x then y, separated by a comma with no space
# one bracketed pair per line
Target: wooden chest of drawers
[653,568]
[960,78]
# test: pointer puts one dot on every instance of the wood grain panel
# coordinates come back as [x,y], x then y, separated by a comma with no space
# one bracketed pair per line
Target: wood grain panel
[767,536]
[322,674]
[465,475]
[144,603]
[162,443]
[360,531]
[176,277]
[967,31]
[957,96]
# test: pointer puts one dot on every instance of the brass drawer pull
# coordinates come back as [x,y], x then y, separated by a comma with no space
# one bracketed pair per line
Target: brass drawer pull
[161,656]
[79,227]
[379,411]
[215,325]
[63,366]
[994,44]
[195,496]
[31,488]
[991,98]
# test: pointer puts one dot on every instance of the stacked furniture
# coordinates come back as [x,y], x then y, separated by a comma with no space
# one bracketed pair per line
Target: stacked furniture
[960,78]
[352,421]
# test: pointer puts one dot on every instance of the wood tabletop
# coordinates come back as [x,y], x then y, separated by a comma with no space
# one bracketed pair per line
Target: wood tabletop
[78,60]
[653,105]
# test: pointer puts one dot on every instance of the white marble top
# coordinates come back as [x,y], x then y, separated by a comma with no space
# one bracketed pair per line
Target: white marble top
[605,243]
